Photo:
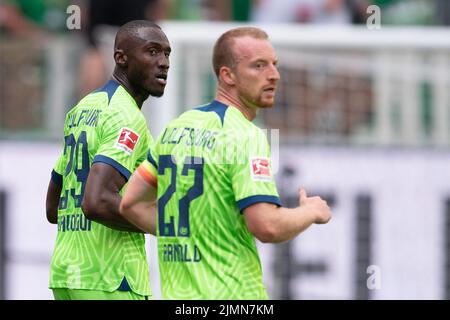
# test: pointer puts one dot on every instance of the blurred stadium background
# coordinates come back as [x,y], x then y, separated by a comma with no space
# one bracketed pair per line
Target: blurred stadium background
[362,118]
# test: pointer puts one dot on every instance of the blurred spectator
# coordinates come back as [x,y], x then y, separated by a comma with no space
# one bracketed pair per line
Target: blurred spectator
[408,12]
[25,25]
[13,21]
[118,12]
[229,10]
[30,18]
[276,11]
[302,11]
[358,10]
[185,10]
[399,12]
[443,12]
[331,12]
[22,84]
[210,10]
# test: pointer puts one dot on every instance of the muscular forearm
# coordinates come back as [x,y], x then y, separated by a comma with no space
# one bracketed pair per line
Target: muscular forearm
[106,212]
[142,215]
[270,223]
[101,198]
[139,202]
[273,224]
[52,213]
[52,202]
[288,223]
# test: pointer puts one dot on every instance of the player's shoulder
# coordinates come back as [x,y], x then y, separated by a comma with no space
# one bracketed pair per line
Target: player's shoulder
[214,115]
[93,100]
[123,101]
[236,122]
[211,115]
[112,97]
[107,92]
[122,107]
[100,97]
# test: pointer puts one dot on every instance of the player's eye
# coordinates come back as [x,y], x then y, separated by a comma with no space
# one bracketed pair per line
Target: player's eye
[153,51]
[259,65]
[167,53]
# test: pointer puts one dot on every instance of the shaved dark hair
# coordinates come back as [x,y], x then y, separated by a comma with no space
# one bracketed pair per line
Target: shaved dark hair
[130,31]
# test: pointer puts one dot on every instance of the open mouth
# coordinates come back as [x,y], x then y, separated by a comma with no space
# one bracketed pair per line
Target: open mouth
[161,78]
[269,89]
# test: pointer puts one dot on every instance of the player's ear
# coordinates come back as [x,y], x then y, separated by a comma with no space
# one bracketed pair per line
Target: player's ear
[227,75]
[120,58]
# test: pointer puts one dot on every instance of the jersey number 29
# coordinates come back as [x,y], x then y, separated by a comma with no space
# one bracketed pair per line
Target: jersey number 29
[80,166]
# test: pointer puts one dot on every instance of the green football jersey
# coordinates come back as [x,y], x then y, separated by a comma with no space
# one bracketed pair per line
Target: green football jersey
[105,126]
[211,164]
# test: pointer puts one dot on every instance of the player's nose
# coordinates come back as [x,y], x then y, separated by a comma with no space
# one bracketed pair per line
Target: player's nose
[274,74]
[164,62]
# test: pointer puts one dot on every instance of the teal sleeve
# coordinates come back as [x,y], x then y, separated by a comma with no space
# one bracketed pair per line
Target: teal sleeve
[58,171]
[151,160]
[150,164]
[152,157]
[60,165]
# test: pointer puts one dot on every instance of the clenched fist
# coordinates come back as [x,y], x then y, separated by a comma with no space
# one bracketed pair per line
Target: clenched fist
[316,205]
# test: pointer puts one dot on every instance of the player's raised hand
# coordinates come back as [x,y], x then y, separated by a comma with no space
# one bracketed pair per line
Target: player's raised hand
[316,205]
[303,197]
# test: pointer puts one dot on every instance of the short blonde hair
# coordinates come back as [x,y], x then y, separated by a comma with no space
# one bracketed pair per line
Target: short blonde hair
[223,54]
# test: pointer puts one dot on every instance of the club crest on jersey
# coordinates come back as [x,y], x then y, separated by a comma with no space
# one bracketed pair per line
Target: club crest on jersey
[127,140]
[260,168]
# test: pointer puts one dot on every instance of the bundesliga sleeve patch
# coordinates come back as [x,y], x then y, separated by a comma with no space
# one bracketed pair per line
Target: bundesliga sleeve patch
[260,169]
[127,140]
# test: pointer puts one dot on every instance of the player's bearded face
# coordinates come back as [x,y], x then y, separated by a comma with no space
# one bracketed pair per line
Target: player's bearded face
[256,72]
